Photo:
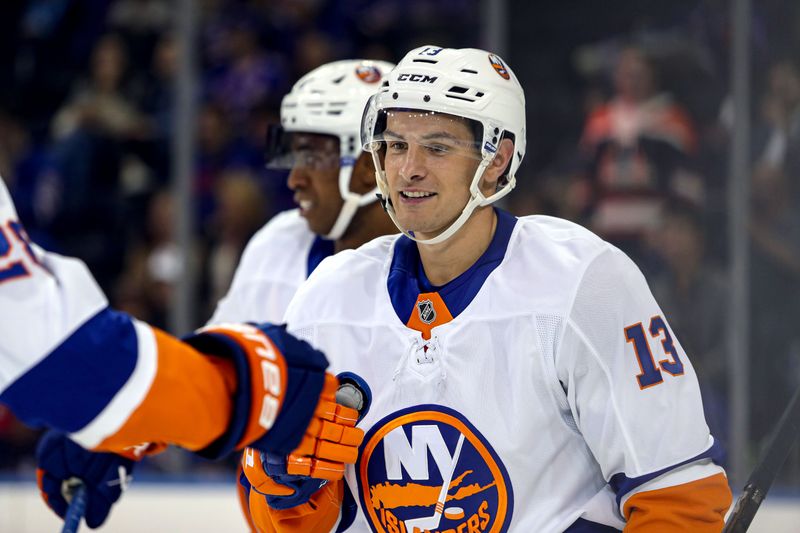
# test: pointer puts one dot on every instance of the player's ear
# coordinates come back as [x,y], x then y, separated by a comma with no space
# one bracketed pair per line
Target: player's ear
[497,167]
[363,178]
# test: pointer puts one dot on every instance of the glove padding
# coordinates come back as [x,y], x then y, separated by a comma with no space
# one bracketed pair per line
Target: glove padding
[279,382]
[104,475]
[281,489]
[330,442]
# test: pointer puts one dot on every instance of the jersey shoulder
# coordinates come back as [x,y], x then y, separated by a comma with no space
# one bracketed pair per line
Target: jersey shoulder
[345,286]
[544,264]
[279,249]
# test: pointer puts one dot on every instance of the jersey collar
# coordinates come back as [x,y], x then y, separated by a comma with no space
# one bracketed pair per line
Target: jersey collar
[320,249]
[407,279]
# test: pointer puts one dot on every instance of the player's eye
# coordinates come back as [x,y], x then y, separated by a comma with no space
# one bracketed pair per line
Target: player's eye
[437,149]
[397,146]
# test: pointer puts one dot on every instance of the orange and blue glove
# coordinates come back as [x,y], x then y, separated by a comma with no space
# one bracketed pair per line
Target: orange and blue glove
[330,443]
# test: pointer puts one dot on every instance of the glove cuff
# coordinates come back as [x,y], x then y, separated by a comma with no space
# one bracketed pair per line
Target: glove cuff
[285,375]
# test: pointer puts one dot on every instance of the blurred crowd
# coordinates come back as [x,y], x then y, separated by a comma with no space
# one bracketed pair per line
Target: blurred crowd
[629,134]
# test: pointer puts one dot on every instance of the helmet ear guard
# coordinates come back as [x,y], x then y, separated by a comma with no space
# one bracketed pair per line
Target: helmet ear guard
[468,83]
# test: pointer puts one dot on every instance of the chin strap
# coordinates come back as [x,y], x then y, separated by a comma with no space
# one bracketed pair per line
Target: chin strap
[352,201]
[477,200]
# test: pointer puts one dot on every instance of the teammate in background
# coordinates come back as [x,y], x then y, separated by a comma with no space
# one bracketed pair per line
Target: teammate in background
[114,383]
[334,184]
[525,379]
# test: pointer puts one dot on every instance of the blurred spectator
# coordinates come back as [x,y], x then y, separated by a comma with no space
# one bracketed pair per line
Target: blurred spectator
[694,297]
[777,133]
[152,266]
[141,23]
[100,104]
[638,149]
[220,147]
[93,132]
[774,279]
[248,75]
[241,211]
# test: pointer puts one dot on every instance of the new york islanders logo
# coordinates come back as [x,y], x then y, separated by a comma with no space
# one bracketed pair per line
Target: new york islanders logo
[426,469]
[499,66]
[368,74]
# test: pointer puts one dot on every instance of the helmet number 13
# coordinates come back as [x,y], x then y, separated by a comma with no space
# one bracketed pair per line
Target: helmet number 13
[650,370]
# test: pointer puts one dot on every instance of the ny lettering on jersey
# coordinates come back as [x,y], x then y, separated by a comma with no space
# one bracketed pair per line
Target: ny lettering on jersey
[426,468]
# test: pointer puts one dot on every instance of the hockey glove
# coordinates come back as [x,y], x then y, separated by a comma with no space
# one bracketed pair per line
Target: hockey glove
[105,476]
[284,399]
[291,481]
[267,474]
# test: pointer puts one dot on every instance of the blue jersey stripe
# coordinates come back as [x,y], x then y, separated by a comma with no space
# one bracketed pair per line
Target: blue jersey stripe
[622,484]
[72,385]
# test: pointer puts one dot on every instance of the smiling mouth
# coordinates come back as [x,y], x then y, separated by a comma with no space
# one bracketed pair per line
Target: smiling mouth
[416,195]
[305,205]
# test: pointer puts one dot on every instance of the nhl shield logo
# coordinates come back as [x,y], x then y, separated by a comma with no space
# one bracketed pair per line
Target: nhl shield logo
[426,311]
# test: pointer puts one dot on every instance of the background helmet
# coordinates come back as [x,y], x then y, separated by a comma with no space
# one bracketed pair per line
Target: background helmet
[470,83]
[330,100]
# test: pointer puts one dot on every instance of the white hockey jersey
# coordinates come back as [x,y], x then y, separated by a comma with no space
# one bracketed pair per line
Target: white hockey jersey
[274,264]
[538,391]
[69,362]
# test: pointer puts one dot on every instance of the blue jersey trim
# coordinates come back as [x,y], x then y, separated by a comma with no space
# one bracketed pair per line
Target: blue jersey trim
[407,278]
[320,249]
[75,382]
[622,484]
[585,526]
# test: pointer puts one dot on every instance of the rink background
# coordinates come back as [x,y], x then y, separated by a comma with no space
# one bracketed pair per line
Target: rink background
[213,507]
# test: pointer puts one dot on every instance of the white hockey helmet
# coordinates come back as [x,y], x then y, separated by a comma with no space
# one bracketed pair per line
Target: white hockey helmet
[330,100]
[470,83]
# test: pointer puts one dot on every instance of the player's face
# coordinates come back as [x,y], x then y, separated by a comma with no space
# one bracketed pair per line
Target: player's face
[314,178]
[430,160]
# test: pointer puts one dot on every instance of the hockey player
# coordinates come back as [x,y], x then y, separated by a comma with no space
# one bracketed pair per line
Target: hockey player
[114,383]
[523,377]
[334,185]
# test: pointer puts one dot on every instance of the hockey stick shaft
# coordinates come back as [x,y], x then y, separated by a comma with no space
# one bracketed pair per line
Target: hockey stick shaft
[75,511]
[764,474]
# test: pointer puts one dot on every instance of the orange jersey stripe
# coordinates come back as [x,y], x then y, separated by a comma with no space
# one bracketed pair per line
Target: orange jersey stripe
[699,507]
[188,404]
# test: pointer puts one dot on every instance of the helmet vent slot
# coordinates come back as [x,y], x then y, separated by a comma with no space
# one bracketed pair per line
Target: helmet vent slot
[457,89]
[469,71]
[338,80]
[466,99]
[431,61]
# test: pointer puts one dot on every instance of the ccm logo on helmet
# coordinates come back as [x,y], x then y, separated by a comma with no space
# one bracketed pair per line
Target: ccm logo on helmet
[420,78]
[427,469]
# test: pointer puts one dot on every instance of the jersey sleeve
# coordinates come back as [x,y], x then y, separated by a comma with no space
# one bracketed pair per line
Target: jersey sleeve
[633,392]
[69,362]
[252,297]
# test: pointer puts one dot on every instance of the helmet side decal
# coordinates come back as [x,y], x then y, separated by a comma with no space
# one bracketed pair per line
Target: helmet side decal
[499,66]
